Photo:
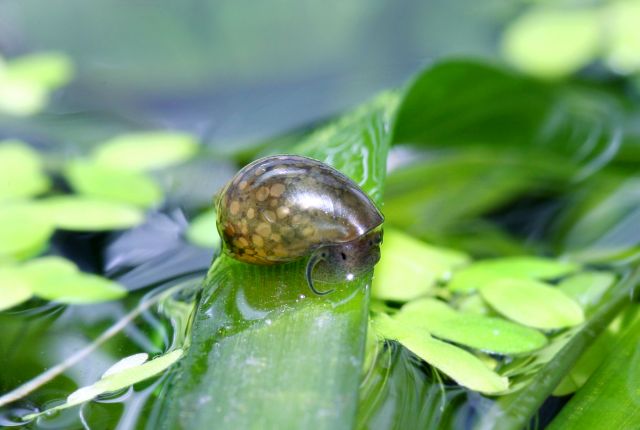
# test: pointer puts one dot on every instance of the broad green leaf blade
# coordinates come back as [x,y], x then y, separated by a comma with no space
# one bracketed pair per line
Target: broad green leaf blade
[89,214]
[410,268]
[146,150]
[532,303]
[95,180]
[483,272]
[203,232]
[47,69]
[21,173]
[266,352]
[466,102]
[462,366]
[23,231]
[13,288]
[552,43]
[484,333]
[609,400]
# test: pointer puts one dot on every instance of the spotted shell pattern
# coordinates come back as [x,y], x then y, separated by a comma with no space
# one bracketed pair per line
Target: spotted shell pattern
[280,208]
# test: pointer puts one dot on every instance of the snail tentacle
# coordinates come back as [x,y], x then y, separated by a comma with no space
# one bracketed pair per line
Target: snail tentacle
[313,260]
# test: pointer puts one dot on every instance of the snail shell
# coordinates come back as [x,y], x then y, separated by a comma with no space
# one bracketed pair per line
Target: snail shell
[285,207]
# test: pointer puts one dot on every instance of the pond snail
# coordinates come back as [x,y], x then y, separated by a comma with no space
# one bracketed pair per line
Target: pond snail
[287,207]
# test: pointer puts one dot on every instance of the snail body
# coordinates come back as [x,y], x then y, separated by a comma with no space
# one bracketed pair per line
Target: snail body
[285,207]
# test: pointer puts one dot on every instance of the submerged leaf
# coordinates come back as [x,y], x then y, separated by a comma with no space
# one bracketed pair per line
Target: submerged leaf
[532,303]
[21,173]
[483,272]
[110,183]
[462,366]
[89,214]
[481,332]
[410,268]
[146,150]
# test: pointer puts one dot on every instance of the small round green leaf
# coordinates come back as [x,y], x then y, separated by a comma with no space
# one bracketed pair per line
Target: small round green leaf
[109,183]
[409,268]
[203,231]
[48,69]
[146,151]
[553,43]
[623,36]
[483,272]
[14,289]
[533,303]
[21,172]
[494,335]
[23,231]
[89,214]
[21,98]
[58,279]
[462,366]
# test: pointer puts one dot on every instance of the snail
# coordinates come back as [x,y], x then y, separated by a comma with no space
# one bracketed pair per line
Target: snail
[283,208]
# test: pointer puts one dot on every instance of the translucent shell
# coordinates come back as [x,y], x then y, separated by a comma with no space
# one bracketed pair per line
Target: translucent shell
[283,207]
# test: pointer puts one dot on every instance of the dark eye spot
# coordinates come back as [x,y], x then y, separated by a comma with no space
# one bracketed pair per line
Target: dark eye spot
[343,255]
[323,255]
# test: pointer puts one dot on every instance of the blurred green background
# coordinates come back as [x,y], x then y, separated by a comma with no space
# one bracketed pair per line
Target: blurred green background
[238,71]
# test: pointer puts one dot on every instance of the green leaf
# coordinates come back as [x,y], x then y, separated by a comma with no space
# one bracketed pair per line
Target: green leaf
[203,232]
[125,375]
[482,272]
[21,98]
[21,172]
[58,279]
[23,231]
[553,43]
[515,411]
[271,333]
[623,36]
[467,102]
[609,399]
[110,183]
[493,335]
[532,303]
[442,193]
[13,288]
[587,288]
[47,69]
[410,268]
[146,150]
[460,365]
[89,214]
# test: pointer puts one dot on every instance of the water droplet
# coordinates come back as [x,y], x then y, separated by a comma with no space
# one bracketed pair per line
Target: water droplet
[302,296]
